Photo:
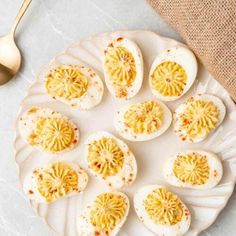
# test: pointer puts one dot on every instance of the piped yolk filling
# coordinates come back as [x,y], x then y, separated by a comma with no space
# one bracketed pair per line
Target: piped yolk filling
[105,157]
[66,82]
[163,207]
[169,79]
[53,134]
[144,118]
[192,168]
[57,181]
[107,211]
[199,118]
[121,68]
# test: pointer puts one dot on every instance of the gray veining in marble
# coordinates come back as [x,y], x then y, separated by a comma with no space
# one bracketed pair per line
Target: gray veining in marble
[47,28]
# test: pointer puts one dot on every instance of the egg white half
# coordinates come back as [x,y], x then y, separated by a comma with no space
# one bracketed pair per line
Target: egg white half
[127,175]
[166,230]
[215,166]
[30,186]
[184,57]
[128,133]
[92,97]
[28,121]
[180,110]
[137,55]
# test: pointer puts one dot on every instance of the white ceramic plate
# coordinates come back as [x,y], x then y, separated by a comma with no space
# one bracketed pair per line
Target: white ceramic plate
[61,215]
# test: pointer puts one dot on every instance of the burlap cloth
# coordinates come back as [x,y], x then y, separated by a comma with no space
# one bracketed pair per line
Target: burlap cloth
[209,29]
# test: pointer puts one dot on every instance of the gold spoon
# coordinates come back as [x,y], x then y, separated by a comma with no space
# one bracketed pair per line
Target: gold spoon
[10,57]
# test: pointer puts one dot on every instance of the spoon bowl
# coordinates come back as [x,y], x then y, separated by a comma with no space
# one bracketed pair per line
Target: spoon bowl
[10,57]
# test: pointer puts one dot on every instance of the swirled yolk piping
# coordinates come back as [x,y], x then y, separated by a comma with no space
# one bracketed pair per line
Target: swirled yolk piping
[105,157]
[169,79]
[53,134]
[192,168]
[144,118]
[66,82]
[107,211]
[199,118]
[120,67]
[163,207]
[57,181]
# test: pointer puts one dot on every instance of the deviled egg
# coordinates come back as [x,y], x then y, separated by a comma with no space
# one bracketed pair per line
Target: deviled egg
[48,130]
[57,180]
[196,169]
[110,160]
[143,121]
[105,215]
[161,211]
[173,73]
[199,116]
[123,68]
[76,85]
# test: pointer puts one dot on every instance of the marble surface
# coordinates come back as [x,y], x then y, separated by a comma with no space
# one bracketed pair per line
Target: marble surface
[47,28]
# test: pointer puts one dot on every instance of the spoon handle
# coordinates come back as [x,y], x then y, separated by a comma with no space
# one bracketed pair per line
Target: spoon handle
[21,12]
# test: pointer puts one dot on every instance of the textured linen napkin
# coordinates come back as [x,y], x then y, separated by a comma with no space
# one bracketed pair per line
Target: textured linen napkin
[209,29]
